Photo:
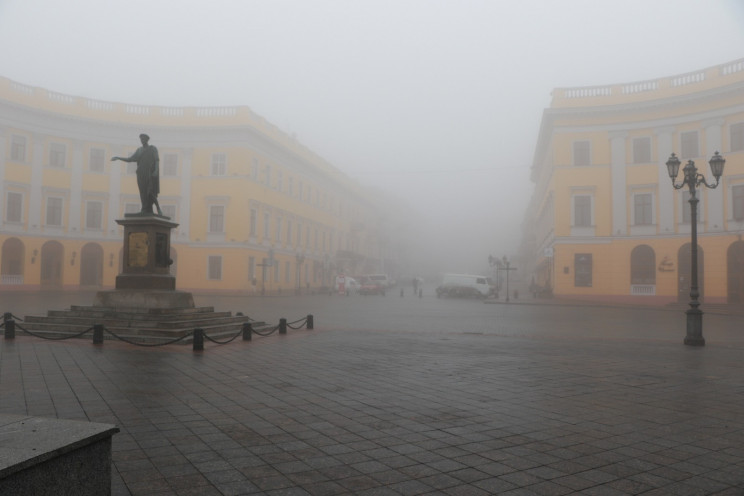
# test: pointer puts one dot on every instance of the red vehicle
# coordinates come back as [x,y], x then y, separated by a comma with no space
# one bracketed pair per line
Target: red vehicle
[370,286]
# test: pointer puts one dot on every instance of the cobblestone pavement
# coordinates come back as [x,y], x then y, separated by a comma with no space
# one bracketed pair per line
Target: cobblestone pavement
[544,401]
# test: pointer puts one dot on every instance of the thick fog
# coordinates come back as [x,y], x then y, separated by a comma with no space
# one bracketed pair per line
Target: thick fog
[437,102]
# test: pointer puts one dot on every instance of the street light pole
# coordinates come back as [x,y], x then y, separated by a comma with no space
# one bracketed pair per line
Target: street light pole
[692,180]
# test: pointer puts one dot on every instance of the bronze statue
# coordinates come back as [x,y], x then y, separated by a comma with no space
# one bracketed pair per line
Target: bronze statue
[148,174]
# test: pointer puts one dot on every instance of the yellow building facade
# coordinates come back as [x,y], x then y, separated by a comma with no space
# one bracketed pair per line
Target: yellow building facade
[257,211]
[605,223]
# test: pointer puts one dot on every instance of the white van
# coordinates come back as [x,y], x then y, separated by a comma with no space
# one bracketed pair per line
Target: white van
[464,285]
[381,279]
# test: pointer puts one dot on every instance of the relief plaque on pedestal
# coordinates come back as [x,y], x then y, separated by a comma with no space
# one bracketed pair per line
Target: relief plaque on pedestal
[145,280]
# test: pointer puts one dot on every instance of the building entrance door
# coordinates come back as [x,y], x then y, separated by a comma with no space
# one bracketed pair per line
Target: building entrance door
[91,265]
[11,264]
[735,272]
[684,262]
[51,264]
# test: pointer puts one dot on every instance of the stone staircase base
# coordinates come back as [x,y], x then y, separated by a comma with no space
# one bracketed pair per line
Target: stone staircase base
[139,325]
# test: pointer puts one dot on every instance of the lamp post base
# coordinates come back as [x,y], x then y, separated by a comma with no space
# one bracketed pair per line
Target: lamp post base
[694,327]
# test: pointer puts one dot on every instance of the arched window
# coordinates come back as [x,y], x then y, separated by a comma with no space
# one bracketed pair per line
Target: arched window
[642,265]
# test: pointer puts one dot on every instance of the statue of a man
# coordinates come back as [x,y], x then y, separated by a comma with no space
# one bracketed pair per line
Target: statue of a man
[148,174]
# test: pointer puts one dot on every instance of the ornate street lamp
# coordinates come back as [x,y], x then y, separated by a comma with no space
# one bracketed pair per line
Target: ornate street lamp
[692,180]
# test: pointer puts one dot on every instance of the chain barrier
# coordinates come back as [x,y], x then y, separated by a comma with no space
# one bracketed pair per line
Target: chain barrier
[266,333]
[240,332]
[303,320]
[198,334]
[147,345]
[50,338]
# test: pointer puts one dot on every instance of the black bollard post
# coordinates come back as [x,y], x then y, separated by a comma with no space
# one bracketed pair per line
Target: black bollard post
[282,326]
[9,325]
[247,331]
[310,322]
[198,339]
[97,333]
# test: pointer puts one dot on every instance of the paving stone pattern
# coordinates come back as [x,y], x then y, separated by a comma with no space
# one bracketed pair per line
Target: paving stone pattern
[333,411]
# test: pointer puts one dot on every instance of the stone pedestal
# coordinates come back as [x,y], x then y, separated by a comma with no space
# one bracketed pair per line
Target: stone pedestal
[145,281]
[146,253]
[40,456]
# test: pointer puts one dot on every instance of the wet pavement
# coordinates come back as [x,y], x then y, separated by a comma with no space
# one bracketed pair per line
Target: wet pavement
[391,395]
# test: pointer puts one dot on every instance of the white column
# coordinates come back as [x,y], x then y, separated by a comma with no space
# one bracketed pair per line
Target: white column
[619,184]
[665,147]
[37,173]
[76,188]
[3,154]
[114,200]
[715,207]
[184,208]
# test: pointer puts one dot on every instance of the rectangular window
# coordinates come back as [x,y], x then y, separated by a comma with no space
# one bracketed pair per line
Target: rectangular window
[97,160]
[299,234]
[583,270]
[214,271]
[641,150]
[582,211]
[252,229]
[688,145]
[219,164]
[57,155]
[170,164]
[14,210]
[132,208]
[266,223]
[18,148]
[279,181]
[278,232]
[54,212]
[737,195]
[582,154]
[286,272]
[169,211]
[276,270]
[737,137]
[267,176]
[643,209]
[289,232]
[93,214]
[216,218]
[290,186]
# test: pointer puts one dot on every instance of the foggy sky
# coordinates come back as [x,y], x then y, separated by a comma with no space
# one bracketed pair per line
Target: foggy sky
[436,101]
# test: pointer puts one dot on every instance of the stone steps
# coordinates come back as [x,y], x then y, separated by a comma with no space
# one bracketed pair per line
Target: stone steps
[123,321]
[140,325]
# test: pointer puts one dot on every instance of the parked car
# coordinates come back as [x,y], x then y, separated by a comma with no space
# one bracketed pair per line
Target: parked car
[371,286]
[382,279]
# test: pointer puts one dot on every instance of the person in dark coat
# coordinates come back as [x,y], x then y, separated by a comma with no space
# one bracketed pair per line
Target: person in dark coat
[148,174]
